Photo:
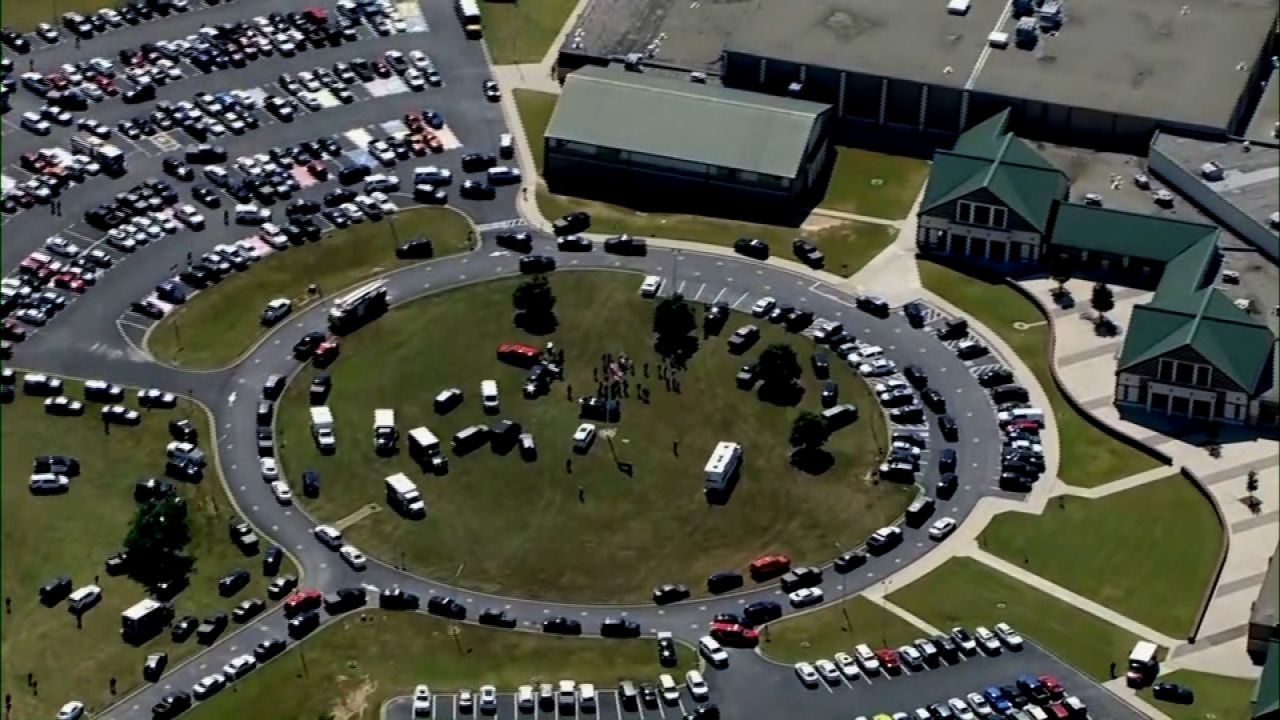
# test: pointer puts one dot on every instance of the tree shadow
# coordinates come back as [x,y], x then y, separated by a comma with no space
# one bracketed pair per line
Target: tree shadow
[1063,298]
[781,395]
[537,323]
[1105,327]
[678,349]
[164,575]
[812,461]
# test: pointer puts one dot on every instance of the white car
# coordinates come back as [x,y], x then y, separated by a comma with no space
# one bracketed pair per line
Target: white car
[867,659]
[419,59]
[980,705]
[153,397]
[239,667]
[422,701]
[525,699]
[270,471]
[987,640]
[807,674]
[59,245]
[827,670]
[276,310]
[73,710]
[488,699]
[352,557]
[190,216]
[878,367]
[911,657]
[805,597]
[208,686]
[1008,636]
[697,685]
[281,490]
[651,285]
[763,306]
[711,649]
[941,529]
[670,691]
[328,536]
[847,666]
[121,414]
[961,710]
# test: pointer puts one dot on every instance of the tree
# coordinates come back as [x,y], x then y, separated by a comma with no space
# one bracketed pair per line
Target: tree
[673,323]
[1059,270]
[1102,300]
[809,431]
[1251,485]
[158,534]
[534,296]
[779,367]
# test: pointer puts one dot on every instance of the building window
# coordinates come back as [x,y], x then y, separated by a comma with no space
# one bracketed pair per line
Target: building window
[748,176]
[971,213]
[981,215]
[1203,375]
[964,212]
[1184,373]
[999,217]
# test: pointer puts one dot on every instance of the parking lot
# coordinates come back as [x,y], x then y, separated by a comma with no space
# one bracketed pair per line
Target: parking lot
[609,707]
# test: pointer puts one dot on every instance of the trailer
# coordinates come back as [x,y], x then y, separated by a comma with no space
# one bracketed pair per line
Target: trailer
[144,620]
[322,428]
[403,496]
[723,464]
[358,307]
[423,443]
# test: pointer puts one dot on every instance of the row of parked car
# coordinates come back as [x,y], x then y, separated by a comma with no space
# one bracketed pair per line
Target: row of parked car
[568,697]
[1029,697]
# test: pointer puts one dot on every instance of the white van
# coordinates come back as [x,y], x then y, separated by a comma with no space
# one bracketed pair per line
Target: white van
[84,598]
[651,285]
[1035,415]
[670,691]
[503,175]
[489,395]
[587,697]
[712,651]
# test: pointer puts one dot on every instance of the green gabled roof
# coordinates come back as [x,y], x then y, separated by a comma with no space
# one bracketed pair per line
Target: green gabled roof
[1266,695]
[1149,237]
[1187,311]
[987,157]
[675,118]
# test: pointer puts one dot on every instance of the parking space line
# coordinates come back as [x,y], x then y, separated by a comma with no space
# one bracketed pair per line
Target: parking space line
[738,302]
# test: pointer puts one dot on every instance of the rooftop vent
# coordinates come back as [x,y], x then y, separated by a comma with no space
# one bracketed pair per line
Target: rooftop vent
[1211,171]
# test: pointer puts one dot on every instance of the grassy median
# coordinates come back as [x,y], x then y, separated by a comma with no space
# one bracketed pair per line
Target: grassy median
[518,34]
[848,245]
[836,628]
[965,592]
[219,324]
[1148,552]
[629,532]
[875,184]
[1088,457]
[348,670]
[1217,697]
[74,533]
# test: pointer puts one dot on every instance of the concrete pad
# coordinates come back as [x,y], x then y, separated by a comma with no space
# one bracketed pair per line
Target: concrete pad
[392,127]
[326,98]
[386,86]
[359,137]
[448,139]
[303,176]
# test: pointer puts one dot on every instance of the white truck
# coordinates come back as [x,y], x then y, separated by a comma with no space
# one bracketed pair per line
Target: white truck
[722,465]
[322,428]
[423,443]
[385,434]
[403,496]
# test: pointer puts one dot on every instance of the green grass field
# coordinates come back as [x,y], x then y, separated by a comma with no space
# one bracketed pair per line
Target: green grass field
[26,14]
[220,323]
[1217,697]
[355,666]
[73,534]
[519,33]
[837,628]
[875,184]
[1088,457]
[629,533]
[848,246]
[1148,552]
[965,592]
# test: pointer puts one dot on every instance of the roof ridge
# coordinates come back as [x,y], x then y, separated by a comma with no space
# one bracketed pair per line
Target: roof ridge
[596,77]
[1136,213]
[995,161]
[1005,162]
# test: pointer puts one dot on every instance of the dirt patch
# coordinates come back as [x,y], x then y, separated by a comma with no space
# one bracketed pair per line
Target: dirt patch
[355,699]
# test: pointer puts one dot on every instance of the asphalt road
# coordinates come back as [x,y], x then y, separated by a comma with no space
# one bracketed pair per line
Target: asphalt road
[96,337]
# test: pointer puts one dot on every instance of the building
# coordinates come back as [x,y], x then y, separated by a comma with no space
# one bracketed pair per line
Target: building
[662,138]
[1264,616]
[1265,704]
[1189,352]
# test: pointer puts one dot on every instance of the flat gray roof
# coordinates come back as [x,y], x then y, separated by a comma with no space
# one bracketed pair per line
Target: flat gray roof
[1264,608]
[1263,124]
[1251,179]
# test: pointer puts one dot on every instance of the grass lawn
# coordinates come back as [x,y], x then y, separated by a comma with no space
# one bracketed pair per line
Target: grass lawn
[848,246]
[73,534]
[1218,697]
[219,324]
[965,592]
[871,183]
[1147,552]
[497,523]
[519,34]
[349,671]
[1088,456]
[26,14]
[833,629]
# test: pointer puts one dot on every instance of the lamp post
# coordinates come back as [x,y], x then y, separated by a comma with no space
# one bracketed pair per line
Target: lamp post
[844,611]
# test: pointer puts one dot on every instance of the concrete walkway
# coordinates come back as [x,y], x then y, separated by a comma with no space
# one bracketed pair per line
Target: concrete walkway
[854,217]
[893,273]
[1112,488]
[901,612]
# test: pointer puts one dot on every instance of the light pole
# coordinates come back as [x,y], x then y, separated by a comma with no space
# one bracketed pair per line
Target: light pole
[884,598]
[844,611]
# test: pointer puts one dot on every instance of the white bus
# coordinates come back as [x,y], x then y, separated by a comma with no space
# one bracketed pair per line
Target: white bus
[722,464]
[469,15]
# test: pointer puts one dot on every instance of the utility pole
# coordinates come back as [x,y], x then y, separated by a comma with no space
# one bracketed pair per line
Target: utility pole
[843,610]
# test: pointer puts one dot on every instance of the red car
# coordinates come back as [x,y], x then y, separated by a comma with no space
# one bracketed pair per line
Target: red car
[432,141]
[770,565]
[1052,685]
[34,263]
[69,281]
[11,330]
[889,660]
[518,354]
[735,635]
[106,85]
[59,81]
[381,69]
[302,601]
[1024,425]
[1057,711]
[413,121]
[326,352]
[318,170]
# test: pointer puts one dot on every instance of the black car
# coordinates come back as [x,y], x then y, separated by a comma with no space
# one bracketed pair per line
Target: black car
[183,628]
[669,593]
[303,624]
[947,426]
[667,652]
[497,618]
[446,606]
[521,242]
[617,627]
[171,705]
[233,582]
[420,248]
[209,630]
[995,377]
[850,560]
[934,400]
[307,344]
[271,560]
[336,197]
[311,484]
[715,317]
[626,245]
[573,243]
[743,338]
[752,248]
[60,464]
[393,598]
[873,305]
[808,253]
[761,612]
[269,648]
[477,190]
[1173,692]
[947,461]
[344,599]
[562,626]
[534,264]
[947,485]
[574,222]
[953,329]
[478,162]
[52,592]
[829,395]
[247,610]
[724,581]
